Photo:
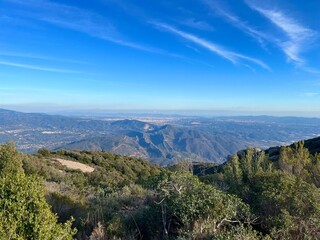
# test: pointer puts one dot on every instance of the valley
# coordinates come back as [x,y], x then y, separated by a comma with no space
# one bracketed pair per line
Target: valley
[164,140]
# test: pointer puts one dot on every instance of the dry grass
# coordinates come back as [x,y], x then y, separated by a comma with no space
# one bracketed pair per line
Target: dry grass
[75,165]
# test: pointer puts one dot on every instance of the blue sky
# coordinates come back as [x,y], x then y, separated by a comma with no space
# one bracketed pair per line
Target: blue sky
[246,56]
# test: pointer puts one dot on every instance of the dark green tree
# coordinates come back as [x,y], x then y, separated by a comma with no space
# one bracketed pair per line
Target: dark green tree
[24,212]
[199,209]
[289,207]
[10,160]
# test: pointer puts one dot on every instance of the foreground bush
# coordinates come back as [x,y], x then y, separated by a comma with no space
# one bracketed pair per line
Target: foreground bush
[24,212]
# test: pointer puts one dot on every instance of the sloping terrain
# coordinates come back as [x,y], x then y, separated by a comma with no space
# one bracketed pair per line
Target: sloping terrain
[191,139]
[121,197]
[165,145]
[75,165]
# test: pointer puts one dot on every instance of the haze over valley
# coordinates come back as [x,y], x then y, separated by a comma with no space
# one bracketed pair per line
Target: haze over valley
[165,140]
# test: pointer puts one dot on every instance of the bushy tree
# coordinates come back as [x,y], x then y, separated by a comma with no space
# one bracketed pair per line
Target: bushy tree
[10,160]
[314,170]
[294,159]
[197,209]
[24,212]
[289,207]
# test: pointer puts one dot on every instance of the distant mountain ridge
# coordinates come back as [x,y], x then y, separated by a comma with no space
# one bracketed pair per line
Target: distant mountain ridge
[163,144]
[191,139]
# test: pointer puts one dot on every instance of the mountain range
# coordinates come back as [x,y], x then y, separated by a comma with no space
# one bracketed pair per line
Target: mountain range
[164,141]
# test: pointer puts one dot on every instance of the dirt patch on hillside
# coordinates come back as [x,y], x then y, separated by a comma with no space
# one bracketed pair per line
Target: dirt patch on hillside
[75,165]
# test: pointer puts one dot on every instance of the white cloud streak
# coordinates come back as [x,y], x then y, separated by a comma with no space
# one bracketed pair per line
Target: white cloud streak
[310,94]
[35,67]
[238,23]
[233,57]
[83,21]
[40,57]
[196,24]
[297,35]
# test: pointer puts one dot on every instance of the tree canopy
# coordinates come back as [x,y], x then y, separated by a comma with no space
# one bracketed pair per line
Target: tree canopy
[24,212]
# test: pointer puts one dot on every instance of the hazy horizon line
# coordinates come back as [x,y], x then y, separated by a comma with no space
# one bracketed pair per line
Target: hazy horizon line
[98,112]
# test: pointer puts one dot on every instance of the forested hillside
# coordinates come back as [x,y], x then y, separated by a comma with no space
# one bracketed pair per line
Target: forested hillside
[49,195]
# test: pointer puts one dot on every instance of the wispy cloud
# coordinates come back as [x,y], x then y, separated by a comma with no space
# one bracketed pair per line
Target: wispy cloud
[40,57]
[35,67]
[310,94]
[259,36]
[297,35]
[72,18]
[83,21]
[233,57]
[196,24]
